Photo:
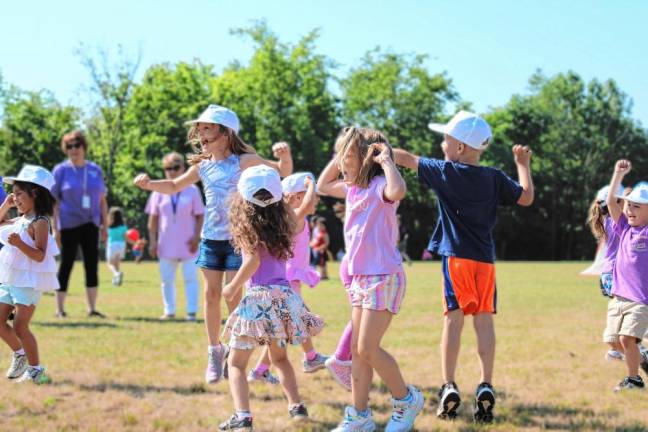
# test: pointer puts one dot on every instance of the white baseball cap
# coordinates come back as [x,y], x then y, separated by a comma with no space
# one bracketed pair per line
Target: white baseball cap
[259,177]
[295,183]
[602,193]
[217,114]
[468,128]
[33,174]
[639,194]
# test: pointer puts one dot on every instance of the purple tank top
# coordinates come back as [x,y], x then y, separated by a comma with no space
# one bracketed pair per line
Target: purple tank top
[271,271]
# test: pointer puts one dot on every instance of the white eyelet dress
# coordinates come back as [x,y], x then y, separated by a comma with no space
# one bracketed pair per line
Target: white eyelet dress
[17,269]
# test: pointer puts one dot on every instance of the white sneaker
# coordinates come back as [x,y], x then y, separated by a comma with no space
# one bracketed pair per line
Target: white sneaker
[35,375]
[18,366]
[120,278]
[353,422]
[215,359]
[449,401]
[612,355]
[404,413]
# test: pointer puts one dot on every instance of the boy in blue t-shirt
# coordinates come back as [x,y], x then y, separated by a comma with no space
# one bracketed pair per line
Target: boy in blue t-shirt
[468,195]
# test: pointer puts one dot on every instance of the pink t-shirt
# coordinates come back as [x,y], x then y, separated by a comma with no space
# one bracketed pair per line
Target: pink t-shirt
[177,221]
[371,231]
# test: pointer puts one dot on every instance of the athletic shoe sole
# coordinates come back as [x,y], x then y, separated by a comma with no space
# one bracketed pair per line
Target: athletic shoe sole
[484,405]
[448,409]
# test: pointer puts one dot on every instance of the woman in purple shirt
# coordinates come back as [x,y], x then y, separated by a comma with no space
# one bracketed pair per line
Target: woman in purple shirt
[80,213]
[174,224]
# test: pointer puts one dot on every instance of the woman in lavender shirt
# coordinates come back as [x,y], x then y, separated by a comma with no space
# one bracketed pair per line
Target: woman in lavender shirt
[174,224]
[81,212]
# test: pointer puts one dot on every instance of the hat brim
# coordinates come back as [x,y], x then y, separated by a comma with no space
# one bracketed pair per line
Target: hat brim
[191,122]
[437,127]
[9,180]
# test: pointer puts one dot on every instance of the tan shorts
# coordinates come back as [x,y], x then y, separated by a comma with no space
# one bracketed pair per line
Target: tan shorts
[627,318]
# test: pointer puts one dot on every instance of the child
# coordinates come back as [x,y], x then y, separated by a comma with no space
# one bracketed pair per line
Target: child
[221,156]
[27,266]
[319,245]
[372,187]
[299,194]
[116,245]
[601,227]
[270,313]
[627,319]
[468,195]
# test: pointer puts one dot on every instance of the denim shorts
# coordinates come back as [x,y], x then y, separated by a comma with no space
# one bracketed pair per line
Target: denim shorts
[218,255]
[12,295]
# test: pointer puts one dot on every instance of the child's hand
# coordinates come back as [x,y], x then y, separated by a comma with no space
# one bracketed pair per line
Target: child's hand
[522,155]
[14,239]
[229,291]
[383,152]
[9,201]
[142,181]
[280,150]
[193,244]
[308,181]
[623,167]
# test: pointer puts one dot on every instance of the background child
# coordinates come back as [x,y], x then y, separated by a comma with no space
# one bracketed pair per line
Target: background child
[27,267]
[116,244]
[468,195]
[372,187]
[319,246]
[263,231]
[627,320]
[220,157]
[299,194]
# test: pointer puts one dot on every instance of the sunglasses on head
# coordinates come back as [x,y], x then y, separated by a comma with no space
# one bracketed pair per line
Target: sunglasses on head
[75,145]
[173,168]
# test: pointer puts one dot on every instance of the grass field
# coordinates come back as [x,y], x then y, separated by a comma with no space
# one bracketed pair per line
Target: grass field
[131,372]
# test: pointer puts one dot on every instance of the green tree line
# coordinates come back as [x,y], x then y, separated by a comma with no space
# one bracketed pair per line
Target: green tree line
[290,92]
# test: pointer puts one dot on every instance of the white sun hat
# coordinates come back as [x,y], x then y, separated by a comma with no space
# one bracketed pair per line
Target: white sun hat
[259,177]
[468,128]
[639,194]
[602,193]
[296,183]
[33,174]
[217,114]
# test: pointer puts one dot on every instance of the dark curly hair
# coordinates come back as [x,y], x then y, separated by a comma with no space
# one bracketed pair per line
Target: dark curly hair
[43,199]
[253,226]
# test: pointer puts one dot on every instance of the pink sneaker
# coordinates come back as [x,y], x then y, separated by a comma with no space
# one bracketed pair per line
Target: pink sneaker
[341,371]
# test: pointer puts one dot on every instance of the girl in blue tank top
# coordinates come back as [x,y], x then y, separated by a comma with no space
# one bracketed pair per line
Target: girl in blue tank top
[220,157]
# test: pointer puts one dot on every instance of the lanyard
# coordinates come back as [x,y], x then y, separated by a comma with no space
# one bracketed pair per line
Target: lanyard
[174,204]
[85,176]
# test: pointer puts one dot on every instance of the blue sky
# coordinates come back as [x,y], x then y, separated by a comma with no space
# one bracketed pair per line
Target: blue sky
[488,48]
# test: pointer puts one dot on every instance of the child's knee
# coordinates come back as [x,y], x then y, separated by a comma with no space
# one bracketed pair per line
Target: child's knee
[366,352]
[628,341]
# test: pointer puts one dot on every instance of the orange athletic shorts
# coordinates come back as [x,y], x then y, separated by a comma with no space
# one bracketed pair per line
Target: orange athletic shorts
[468,285]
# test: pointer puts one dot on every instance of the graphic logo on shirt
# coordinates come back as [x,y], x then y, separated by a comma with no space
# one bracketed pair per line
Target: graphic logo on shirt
[640,245]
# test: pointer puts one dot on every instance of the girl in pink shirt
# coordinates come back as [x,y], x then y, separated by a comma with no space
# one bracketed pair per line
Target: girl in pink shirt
[372,187]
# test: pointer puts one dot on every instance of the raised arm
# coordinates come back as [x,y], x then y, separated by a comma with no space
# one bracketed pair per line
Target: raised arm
[621,168]
[522,157]
[395,188]
[283,164]
[168,187]
[250,265]
[329,182]
[308,201]
[406,159]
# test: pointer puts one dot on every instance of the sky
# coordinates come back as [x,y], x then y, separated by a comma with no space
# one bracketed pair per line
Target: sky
[488,48]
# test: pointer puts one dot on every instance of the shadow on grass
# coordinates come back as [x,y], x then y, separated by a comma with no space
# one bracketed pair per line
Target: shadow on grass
[139,391]
[158,320]
[76,324]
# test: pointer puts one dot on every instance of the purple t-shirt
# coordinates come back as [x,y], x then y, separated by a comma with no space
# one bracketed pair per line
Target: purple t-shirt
[175,233]
[630,276]
[271,271]
[611,247]
[72,183]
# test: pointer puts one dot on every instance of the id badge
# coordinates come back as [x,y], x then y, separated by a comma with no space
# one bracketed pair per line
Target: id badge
[85,202]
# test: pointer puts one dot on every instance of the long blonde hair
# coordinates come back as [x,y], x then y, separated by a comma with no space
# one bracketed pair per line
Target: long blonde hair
[361,139]
[598,211]
[236,144]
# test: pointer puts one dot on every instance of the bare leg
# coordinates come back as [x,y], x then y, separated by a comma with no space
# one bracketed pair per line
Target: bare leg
[7,332]
[279,358]
[213,287]
[91,295]
[632,356]
[485,329]
[21,326]
[237,364]
[450,343]
[361,371]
